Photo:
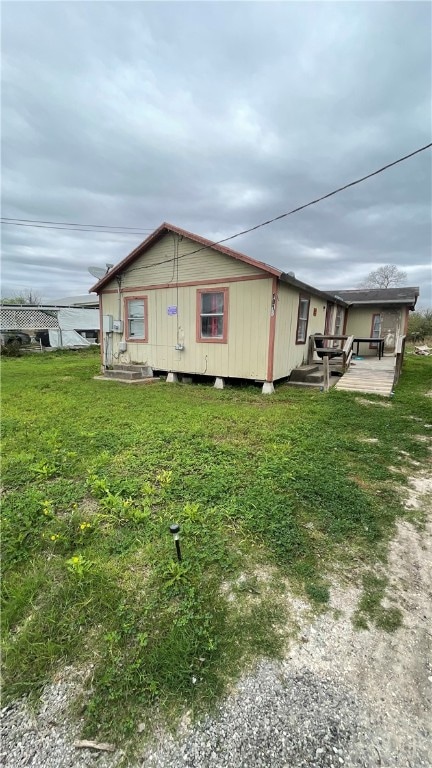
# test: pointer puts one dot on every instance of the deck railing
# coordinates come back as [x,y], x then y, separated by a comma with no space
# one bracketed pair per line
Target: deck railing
[347,353]
[399,354]
[325,337]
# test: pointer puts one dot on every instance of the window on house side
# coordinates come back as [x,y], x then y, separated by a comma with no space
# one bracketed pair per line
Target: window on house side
[212,315]
[338,322]
[375,329]
[136,319]
[302,320]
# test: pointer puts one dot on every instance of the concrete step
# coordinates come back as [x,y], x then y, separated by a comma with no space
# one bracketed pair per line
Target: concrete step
[305,384]
[300,374]
[122,374]
[143,370]
[315,378]
[128,367]
[130,382]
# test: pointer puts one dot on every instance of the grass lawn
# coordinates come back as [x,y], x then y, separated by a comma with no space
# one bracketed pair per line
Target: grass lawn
[94,473]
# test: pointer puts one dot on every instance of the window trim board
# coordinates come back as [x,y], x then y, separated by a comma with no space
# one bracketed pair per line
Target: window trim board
[373,344]
[128,338]
[302,297]
[224,338]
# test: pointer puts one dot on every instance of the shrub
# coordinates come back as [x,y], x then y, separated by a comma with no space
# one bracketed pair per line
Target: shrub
[11,349]
[420,325]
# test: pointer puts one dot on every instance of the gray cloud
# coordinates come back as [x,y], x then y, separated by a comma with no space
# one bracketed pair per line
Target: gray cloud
[216,116]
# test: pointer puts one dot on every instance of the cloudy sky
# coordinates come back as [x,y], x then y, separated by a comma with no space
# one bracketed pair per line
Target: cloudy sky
[216,116]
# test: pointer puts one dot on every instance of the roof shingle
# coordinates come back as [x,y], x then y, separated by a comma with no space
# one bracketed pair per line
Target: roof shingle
[403,295]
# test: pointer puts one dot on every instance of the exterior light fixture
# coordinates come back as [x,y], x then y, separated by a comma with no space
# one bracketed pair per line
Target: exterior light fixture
[175,530]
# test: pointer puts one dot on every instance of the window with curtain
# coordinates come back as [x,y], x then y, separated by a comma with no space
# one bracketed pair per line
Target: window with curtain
[212,307]
[302,320]
[136,319]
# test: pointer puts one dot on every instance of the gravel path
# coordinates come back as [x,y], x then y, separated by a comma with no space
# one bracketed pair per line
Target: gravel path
[340,697]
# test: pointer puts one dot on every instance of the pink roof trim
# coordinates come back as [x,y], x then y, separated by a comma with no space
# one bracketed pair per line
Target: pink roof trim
[158,233]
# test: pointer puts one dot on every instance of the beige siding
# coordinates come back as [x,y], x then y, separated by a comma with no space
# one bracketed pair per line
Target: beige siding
[288,354]
[207,264]
[360,324]
[245,353]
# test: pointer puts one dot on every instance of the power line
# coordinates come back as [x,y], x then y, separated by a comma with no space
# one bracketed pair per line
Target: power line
[294,210]
[9,219]
[77,229]
[120,230]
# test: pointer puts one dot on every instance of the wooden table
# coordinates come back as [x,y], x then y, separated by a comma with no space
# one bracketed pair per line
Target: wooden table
[369,340]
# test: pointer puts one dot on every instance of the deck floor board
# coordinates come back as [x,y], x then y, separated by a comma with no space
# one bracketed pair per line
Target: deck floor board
[369,375]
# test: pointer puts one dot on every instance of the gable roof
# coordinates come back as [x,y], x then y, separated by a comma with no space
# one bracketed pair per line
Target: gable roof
[405,295]
[165,228]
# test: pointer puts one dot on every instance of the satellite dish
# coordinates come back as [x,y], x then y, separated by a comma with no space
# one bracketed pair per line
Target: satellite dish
[109,266]
[291,274]
[97,272]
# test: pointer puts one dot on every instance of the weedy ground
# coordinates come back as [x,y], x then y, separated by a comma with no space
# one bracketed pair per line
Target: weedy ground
[94,473]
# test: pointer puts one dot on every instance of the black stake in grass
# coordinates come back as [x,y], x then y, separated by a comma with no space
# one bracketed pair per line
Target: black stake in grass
[175,530]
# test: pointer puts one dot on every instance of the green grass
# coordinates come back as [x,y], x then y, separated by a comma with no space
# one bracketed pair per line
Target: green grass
[370,608]
[94,473]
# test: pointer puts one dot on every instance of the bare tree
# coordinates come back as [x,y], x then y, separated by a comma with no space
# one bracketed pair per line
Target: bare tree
[385,277]
[26,297]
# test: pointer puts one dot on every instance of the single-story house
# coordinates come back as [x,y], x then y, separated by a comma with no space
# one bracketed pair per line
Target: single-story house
[181,304]
[378,312]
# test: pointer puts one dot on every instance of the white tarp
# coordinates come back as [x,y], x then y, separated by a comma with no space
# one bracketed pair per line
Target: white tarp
[59,338]
[71,319]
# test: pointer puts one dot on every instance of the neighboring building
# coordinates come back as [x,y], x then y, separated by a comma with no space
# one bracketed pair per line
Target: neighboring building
[49,325]
[180,304]
[85,301]
[378,312]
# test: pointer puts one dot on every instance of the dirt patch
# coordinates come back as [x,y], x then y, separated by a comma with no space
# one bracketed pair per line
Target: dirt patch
[255,584]
[368,440]
[89,507]
[407,457]
[389,675]
[423,438]
[419,492]
[364,401]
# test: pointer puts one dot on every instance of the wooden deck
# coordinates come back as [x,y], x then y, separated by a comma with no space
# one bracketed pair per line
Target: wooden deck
[369,375]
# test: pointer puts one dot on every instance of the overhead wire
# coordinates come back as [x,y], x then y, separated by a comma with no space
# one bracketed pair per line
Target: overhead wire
[292,211]
[78,229]
[74,224]
[120,230]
